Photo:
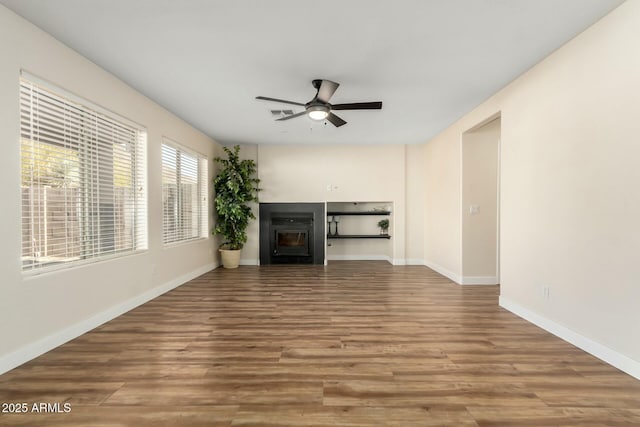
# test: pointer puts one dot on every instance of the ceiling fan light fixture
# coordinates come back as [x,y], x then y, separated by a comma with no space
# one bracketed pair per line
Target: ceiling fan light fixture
[319,108]
[318,112]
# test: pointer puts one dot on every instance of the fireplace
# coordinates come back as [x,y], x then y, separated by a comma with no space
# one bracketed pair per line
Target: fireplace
[292,233]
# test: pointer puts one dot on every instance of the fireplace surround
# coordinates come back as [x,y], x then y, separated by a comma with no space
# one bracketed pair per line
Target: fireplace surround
[292,233]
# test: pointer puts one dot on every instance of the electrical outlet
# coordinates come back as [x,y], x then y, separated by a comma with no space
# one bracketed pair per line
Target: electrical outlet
[546,292]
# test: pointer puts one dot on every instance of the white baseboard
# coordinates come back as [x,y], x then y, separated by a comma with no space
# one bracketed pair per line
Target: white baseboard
[412,261]
[447,273]
[604,353]
[33,350]
[479,280]
[249,261]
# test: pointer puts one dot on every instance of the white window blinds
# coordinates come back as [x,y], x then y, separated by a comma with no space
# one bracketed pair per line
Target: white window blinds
[184,194]
[83,181]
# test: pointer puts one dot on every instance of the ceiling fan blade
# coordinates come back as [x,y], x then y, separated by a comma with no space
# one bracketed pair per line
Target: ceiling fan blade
[284,101]
[337,121]
[292,116]
[326,91]
[358,106]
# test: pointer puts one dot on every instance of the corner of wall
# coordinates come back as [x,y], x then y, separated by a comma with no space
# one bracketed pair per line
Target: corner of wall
[445,272]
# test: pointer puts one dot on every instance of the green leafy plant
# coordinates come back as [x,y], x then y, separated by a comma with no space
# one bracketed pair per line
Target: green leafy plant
[383,224]
[235,187]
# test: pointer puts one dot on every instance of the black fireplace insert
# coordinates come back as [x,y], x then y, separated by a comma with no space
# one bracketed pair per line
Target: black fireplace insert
[292,233]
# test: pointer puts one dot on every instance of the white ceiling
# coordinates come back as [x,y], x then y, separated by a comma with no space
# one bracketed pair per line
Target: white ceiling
[429,61]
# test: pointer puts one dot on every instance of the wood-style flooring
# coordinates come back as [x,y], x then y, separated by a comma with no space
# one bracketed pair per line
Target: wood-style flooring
[349,344]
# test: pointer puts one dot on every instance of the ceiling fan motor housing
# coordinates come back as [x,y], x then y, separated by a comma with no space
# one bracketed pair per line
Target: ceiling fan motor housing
[317,110]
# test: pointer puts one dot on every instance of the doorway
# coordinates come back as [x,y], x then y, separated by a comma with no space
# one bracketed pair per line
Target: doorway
[481,203]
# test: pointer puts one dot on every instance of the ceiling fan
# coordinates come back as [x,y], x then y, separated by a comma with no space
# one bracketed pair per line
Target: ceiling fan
[319,107]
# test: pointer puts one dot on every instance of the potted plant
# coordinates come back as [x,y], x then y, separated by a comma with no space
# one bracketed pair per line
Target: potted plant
[384,226]
[235,187]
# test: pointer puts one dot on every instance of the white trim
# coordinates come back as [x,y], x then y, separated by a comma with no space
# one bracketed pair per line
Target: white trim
[414,261]
[498,195]
[479,280]
[471,280]
[447,273]
[359,258]
[461,213]
[602,352]
[398,261]
[250,261]
[37,348]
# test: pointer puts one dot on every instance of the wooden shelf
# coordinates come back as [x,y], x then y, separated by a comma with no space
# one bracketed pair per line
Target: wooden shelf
[360,236]
[346,213]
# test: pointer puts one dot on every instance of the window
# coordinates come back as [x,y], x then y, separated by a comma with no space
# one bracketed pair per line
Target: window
[184,194]
[83,180]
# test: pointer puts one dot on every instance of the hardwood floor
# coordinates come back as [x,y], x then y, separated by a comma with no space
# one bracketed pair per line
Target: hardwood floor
[350,344]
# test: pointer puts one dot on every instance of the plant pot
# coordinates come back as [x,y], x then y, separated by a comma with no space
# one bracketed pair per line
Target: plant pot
[230,257]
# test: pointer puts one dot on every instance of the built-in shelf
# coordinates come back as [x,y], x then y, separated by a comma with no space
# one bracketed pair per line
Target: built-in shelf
[360,236]
[359,222]
[345,213]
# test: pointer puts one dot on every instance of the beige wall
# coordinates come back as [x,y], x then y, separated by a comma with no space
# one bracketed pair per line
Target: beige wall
[569,206]
[416,180]
[442,230]
[42,311]
[480,192]
[354,173]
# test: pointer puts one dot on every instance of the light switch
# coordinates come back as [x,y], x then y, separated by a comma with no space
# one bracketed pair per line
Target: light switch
[474,210]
